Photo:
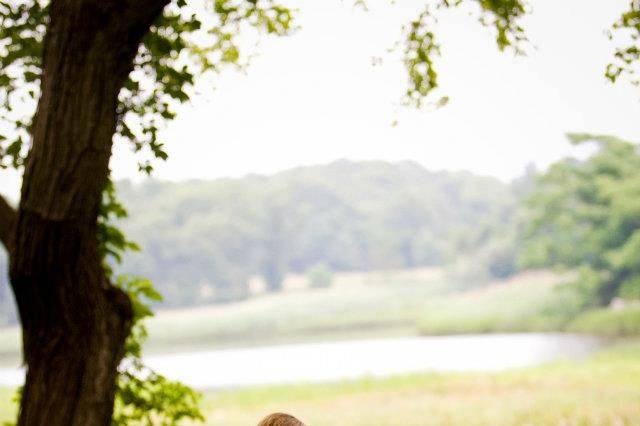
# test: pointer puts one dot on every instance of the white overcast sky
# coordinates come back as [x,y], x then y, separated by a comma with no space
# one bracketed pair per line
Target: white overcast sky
[315,97]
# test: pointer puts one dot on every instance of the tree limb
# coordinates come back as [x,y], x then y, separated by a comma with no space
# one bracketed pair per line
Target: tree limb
[7,222]
[132,13]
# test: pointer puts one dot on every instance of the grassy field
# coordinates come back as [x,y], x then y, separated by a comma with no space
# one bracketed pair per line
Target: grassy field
[606,322]
[604,390]
[374,304]
[527,302]
[358,304]
[377,303]
[386,304]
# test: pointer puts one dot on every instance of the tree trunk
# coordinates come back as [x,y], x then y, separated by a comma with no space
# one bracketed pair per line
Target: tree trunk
[74,321]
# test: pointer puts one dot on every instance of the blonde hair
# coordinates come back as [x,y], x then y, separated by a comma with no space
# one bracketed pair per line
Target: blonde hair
[280,419]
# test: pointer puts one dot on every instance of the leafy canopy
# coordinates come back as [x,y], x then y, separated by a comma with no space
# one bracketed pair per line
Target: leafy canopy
[200,36]
[179,46]
[421,46]
[627,57]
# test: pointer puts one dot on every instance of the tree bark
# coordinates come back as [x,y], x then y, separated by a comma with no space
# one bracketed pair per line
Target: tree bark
[7,223]
[74,321]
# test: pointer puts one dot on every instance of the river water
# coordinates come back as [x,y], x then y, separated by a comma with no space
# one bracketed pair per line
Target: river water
[342,360]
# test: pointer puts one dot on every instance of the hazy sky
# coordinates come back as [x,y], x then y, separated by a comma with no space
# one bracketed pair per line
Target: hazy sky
[315,97]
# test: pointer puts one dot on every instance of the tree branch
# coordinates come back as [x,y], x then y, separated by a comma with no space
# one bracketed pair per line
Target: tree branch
[7,222]
[132,14]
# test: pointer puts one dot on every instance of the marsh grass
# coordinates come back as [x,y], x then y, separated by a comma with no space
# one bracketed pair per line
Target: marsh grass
[607,322]
[527,302]
[374,304]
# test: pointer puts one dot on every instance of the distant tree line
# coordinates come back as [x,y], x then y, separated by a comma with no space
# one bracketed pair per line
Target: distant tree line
[202,241]
[217,234]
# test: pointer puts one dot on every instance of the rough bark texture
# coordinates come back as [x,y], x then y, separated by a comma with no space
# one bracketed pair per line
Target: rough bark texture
[74,321]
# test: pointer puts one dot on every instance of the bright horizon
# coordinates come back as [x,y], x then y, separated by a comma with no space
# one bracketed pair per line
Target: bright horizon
[315,97]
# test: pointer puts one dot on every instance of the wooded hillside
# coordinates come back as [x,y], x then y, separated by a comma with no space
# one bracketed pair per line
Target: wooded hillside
[202,240]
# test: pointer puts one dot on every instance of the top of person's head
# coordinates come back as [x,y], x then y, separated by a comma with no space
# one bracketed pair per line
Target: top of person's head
[280,419]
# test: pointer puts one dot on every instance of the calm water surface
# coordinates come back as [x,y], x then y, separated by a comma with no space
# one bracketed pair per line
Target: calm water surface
[321,362]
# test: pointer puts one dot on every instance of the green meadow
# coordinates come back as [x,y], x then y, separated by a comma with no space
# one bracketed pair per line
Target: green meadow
[375,304]
[602,390]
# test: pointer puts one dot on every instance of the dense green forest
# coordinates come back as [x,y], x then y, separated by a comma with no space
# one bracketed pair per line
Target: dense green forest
[215,235]
[204,241]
